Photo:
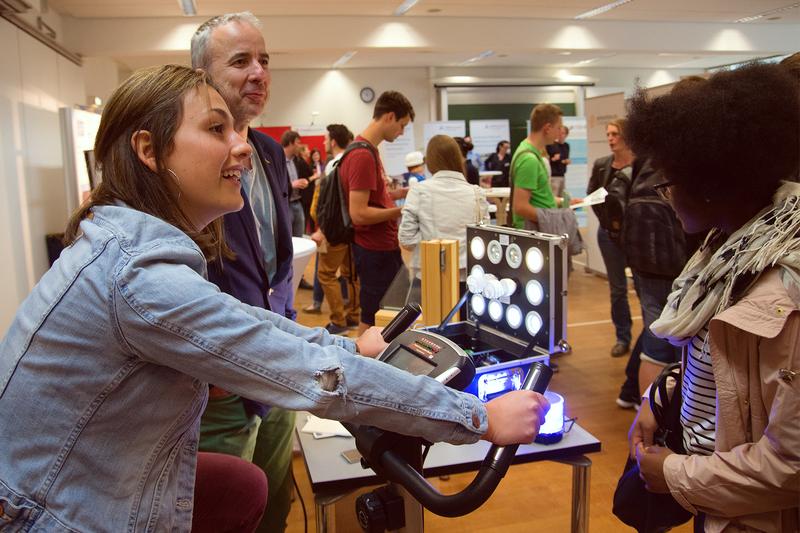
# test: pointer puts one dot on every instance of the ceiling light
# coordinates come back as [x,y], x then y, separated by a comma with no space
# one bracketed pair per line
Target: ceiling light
[759,16]
[602,9]
[403,8]
[188,7]
[565,53]
[586,61]
[344,59]
[482,55]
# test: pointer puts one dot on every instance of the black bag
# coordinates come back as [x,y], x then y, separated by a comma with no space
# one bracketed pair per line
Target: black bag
[646,511]
[333,215]
[653,238]
[611,213]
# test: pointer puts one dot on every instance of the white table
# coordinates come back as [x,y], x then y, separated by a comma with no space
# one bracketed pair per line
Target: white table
[304,249]
[333,478]
[499,196]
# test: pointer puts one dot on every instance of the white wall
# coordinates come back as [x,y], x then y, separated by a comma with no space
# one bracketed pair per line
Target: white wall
[295,94]
[35,83]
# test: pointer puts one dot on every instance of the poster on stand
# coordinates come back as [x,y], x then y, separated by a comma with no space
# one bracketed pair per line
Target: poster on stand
[577,176]
[453,128]
[78,131]
[394,153]
[487,133]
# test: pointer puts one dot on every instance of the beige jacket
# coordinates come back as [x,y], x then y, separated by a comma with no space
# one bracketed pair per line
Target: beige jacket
[752,481]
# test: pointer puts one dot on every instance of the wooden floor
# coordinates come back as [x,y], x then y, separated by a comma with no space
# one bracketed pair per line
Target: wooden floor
[536,496]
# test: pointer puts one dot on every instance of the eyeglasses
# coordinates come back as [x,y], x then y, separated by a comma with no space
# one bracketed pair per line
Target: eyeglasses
[664,190]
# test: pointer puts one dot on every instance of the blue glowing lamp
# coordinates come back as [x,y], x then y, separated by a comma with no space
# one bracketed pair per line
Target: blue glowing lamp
[552,430]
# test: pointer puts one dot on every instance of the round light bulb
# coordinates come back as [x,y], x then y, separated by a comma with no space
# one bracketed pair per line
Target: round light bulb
[534,292]
[495,310]
[478,304]
[495,252]
[509,286]
[477,270]
[514,316]
[513,255]
[533,322]
[493,289]
[475,283]
[534,260]
[477,248]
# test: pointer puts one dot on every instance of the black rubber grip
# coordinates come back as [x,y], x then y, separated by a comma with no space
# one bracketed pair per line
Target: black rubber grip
[402,321]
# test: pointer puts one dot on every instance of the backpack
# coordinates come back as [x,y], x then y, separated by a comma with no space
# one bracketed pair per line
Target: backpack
[611,213]
[652,237]
[333,215]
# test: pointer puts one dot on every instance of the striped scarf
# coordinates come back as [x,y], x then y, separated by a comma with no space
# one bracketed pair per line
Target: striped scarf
[723,270]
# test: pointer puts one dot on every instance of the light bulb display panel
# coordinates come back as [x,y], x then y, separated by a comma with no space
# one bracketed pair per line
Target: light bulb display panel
[517,284]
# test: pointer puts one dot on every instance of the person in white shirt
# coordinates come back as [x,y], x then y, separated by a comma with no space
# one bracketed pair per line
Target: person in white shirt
[441,206]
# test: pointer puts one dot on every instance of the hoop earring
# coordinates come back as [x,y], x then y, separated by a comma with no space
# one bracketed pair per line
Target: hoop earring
[178,180]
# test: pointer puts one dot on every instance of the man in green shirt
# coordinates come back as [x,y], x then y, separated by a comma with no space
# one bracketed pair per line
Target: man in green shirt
[528,171]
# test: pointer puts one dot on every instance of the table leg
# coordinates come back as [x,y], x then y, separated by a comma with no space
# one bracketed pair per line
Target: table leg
[324,517]
[581,475]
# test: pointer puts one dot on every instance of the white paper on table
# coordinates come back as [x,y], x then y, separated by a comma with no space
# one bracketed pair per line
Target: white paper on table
[322,428]
[597,197]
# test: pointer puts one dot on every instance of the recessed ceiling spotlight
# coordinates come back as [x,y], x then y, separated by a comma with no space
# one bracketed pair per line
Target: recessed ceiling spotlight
[188,7]
[765,14]
[347,56]
[479,57]
[602,9]
[403,8]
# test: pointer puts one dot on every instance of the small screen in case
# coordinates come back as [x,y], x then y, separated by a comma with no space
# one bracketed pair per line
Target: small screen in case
[410,362]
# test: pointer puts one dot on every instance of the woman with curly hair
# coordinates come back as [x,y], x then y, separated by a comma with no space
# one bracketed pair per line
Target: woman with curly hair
[734,308]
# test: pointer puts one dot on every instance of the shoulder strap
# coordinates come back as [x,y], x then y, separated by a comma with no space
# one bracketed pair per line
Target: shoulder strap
[356,145]
[510,222]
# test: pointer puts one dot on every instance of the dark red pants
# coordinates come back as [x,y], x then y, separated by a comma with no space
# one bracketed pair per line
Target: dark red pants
[230,494]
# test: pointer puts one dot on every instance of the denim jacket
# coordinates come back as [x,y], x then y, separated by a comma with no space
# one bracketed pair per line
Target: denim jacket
[104,372]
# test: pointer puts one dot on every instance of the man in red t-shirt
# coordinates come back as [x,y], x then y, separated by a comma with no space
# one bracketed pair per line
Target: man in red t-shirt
[372,210]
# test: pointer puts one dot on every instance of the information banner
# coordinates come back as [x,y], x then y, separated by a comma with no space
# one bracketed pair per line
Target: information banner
[486,134]
[577,176]
[394,153]
[453,128]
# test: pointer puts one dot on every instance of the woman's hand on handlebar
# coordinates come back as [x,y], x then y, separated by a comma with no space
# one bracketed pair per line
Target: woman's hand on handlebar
[371,343]
[515,417]
[642,429]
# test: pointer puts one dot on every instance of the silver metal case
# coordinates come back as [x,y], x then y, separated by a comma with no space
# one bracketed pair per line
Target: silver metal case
[509,260]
